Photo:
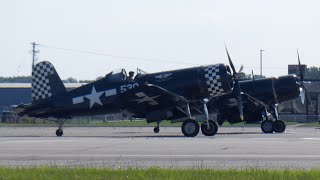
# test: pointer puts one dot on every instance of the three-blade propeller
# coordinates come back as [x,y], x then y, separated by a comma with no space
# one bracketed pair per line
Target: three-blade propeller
[303,89]
[237,89]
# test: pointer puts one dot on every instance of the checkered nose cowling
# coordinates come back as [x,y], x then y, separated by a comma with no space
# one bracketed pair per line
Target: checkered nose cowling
[218,80]
[41,88]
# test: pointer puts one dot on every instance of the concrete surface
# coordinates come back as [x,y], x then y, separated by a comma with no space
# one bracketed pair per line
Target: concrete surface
[236,147]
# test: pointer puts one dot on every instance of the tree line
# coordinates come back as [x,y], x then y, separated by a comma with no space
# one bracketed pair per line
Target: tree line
[27,79]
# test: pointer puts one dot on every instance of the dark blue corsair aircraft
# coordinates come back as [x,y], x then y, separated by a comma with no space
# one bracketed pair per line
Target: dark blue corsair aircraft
[171,95]
[260,97]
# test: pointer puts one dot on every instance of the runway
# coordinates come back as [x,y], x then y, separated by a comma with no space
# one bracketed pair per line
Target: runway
[241,147]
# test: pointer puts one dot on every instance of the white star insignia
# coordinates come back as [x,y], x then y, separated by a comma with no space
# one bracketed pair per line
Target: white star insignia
[94,97]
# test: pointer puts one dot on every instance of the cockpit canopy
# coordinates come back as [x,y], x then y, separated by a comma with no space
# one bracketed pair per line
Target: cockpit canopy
[121,75]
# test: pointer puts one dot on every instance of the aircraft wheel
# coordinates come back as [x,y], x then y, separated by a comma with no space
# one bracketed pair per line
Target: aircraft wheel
[59,132]
[190,128]
[267,126]
[279,126]
[211,130]
[156,129]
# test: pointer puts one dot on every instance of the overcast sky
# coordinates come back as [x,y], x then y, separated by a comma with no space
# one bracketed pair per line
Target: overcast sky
[157,35]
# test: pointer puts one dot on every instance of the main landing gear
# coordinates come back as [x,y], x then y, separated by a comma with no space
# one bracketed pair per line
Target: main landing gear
[191,128]
[269,126]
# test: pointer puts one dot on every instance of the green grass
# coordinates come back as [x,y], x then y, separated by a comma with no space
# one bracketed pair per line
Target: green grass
[153,173]
[314,124]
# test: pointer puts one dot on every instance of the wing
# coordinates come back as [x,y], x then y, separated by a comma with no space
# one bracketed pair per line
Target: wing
[151,102]
[229,101]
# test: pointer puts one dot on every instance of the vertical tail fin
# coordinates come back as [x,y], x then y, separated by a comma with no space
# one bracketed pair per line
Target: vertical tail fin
[45,82]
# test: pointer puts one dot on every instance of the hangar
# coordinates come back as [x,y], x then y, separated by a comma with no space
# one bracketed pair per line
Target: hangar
[18,93]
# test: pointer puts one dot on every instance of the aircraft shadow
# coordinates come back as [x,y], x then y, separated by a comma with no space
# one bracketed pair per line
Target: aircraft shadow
[135,136]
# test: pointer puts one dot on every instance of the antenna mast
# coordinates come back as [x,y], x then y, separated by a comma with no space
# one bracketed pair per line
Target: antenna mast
[34,54]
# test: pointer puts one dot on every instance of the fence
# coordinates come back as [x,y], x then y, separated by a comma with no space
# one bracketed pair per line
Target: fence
[13,119]
[301,118]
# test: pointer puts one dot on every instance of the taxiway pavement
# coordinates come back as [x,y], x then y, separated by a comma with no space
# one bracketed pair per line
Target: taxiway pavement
[236,147]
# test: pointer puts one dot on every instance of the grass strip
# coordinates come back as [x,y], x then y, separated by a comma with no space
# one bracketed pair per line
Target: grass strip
[153,173]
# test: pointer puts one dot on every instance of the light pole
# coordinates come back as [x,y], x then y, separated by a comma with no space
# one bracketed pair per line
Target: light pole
[261,62]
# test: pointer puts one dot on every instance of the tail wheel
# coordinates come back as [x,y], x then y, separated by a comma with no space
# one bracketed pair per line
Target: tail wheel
[59,132]
[279,126]
[190,128]
[267,126]
[156,129]
[210,130]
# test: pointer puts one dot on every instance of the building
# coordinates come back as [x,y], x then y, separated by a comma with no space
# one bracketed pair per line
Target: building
[20,93]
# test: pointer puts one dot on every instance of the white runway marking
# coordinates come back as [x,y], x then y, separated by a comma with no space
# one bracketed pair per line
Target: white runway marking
[37,141]
[316,139]
[170,155]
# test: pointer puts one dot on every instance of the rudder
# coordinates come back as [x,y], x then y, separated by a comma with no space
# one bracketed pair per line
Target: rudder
[45,82]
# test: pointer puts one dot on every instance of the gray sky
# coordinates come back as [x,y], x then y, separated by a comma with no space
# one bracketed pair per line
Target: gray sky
[163,35]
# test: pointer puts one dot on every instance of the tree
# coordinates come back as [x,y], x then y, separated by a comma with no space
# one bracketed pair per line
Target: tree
[249,76]
[70,80]
[313,72]
[17,79]
[85,81]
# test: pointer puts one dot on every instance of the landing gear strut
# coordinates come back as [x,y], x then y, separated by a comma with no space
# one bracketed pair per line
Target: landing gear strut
[209,127]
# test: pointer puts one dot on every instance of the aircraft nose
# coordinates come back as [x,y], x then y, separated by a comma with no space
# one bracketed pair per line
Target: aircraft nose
[218,80]
[287,88]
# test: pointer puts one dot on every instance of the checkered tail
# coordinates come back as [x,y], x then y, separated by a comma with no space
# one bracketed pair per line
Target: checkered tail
[45,82]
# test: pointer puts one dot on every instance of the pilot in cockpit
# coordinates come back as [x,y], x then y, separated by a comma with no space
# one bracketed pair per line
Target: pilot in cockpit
[130,77]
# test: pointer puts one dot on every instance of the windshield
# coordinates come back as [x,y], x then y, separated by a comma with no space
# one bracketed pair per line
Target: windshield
[117,75]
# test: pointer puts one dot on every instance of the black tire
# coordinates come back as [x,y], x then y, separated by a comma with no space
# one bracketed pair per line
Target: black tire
[267,126]
[156,129]
[190,128]
[213,128]
[59,133]
[279,126]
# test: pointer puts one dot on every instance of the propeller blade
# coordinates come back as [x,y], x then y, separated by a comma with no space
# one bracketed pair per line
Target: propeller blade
[302,94]
[241,68]
[304,91]
[239,99]
[230,62]
[237,89]
[300,70]
[252,74]
[308,96]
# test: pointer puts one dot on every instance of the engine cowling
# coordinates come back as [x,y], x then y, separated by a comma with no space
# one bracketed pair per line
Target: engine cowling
[217,80]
